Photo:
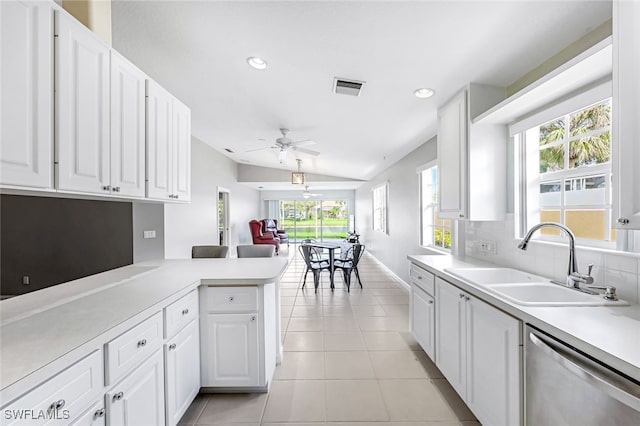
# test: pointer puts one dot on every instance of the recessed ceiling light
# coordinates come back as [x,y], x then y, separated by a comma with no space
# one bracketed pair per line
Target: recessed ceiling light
[257,63]
[424,93]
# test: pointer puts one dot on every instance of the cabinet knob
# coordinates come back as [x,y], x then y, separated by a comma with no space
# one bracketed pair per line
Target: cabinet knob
[176,196]
[230,298]
[466,298]
[99,413]
[118,396]
[172,346]
[431,302]
[461,295]
[623,221]
[107,188]
[461,215]
[185,311]
[116,189]
[253,319]
[142,343]
[419,277]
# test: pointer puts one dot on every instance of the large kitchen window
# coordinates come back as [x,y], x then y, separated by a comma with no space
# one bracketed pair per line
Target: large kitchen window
[566,174]
[380,198]
[435,232]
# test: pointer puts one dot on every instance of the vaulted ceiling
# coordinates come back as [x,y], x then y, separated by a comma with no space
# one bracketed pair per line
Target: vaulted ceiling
[198,50]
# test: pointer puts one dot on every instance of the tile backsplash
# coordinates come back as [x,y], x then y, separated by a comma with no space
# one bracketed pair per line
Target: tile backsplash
[552,260]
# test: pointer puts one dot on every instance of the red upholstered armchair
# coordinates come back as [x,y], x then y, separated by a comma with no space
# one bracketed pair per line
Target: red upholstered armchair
[272,225]
[263,238]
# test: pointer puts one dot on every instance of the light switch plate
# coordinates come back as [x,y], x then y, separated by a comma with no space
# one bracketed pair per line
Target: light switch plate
[149,234]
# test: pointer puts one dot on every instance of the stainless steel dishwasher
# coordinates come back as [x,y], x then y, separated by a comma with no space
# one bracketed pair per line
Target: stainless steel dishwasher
[566,387]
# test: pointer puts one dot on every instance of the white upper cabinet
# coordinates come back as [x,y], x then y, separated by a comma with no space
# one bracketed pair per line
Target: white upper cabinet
[127,127]
[82,108]
[168,146]
[472,157]
[626,105]
[26,100]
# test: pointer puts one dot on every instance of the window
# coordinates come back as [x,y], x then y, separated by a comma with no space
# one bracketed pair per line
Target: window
[567,174]
[380,208]
[435,232]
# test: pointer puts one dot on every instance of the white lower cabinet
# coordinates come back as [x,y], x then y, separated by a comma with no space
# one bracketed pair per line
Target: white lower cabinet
[233,350]
[139,399]
[238,335]
[182,371]
[478,349]
[423,319]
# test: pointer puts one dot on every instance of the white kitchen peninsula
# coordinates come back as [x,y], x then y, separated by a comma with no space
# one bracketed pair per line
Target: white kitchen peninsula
[120,312]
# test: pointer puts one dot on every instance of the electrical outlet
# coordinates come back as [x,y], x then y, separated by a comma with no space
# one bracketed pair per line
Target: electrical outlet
[25,280]
[149,234]
[487,246]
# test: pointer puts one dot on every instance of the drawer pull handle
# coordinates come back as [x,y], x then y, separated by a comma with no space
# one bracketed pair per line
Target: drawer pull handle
[57,405]
[230,298]
[118,396]
[142,343]
[253,319]
[185,311]
[99,413]
[172,346]
[419,277]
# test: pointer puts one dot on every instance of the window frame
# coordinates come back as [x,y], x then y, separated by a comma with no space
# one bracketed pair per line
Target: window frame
[525,198]
[384,209]
[421,212]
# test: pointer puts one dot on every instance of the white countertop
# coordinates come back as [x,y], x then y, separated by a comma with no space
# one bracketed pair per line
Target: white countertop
[608,333]
[45,329]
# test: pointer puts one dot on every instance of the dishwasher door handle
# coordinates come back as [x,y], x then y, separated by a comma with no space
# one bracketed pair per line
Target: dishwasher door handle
[600,383]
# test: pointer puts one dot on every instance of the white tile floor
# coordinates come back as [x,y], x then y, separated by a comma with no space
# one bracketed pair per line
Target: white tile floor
[349,359]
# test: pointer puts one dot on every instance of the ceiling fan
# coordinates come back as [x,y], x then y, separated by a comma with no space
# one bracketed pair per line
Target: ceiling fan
[284,144]
[309,194]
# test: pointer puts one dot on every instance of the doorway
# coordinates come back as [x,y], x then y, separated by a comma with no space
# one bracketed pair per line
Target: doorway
[223,216]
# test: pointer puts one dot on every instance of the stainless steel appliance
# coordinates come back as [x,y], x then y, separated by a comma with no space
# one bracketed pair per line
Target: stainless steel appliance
[566,387]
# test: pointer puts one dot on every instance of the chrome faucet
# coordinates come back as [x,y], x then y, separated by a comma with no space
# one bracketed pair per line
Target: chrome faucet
[574,278]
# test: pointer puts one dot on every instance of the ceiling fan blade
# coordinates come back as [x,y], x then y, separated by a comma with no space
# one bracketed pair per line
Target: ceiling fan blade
[306,151]
[305,142]
[260,149]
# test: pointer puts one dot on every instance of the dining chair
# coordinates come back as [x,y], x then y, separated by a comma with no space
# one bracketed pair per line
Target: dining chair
[314,264]
[198,252]
[250,250]
[348,263]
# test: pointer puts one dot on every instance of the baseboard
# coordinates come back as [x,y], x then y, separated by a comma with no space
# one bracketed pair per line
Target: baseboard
[400,281]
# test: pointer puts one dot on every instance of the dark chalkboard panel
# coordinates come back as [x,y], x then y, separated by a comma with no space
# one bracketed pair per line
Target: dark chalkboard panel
[54,240]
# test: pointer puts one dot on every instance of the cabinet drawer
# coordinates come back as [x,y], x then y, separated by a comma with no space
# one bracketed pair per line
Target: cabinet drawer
[423,279]
[134,346]
[232,299]
[72,391]
[180,313]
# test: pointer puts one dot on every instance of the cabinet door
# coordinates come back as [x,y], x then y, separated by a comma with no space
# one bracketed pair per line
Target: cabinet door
[450,334]
[626,126]
[127,127]
[159,142]
[452,157]
[422,319]
[233,350]
[139,398]
[182,151]
[82,108]
[493,363]
[26,84]
[182,358]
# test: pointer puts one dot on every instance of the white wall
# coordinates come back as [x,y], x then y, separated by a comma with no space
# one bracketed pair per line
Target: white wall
[403,215]
[196,223]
